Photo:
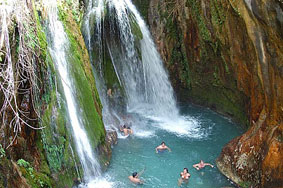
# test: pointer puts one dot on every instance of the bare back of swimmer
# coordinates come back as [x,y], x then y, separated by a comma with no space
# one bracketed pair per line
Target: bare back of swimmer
[135,178]
[126,130]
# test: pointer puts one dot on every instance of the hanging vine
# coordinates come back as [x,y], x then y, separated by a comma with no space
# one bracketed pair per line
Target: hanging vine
[19,59]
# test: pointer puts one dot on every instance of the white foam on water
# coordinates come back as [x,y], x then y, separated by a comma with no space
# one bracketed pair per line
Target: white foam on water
[99,183]
[182,127]
[144,134]
[121,136]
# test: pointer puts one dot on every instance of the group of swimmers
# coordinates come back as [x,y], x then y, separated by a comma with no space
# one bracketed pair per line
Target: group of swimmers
[184,175]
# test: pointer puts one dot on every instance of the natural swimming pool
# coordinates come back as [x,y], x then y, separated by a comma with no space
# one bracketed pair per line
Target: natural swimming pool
[206,135]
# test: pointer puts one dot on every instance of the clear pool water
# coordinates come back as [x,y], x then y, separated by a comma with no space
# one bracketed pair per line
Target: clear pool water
[209,133]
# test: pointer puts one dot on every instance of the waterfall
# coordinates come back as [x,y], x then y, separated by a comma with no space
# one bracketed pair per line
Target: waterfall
[58,46]
[121,33]
[158,90]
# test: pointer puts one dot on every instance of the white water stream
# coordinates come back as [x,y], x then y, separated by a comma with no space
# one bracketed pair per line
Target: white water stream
[58,46]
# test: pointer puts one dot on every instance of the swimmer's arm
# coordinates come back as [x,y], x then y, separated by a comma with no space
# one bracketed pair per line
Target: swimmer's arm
[196,166]
[168,149]
[141,172]
[208,164]
[156,149]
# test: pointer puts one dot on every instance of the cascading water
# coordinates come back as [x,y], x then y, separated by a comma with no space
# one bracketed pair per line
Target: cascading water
[158,91]
[121,33]
[58,47]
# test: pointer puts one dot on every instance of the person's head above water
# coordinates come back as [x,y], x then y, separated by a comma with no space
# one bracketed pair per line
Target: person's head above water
[186,169]
[162,143]
[124,126]
[134,174]
[201,161]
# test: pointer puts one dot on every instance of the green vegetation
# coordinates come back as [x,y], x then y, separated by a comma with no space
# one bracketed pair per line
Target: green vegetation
[53,150]
[86,91]
[198,16]
[54,153]
[55,141]
[2,152]
[245,184]
[143,7]
[135,28]
[217,13]
[109,73]
[74,7]
[34,178]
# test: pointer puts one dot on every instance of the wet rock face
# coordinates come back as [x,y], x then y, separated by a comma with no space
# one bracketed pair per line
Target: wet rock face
[111,137]
[228,55]
[105,150]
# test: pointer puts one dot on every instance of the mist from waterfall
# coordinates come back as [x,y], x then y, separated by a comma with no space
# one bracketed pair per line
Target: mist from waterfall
[58,46]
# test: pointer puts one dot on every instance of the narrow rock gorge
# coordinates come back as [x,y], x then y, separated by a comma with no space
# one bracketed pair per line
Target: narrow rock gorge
[73,71]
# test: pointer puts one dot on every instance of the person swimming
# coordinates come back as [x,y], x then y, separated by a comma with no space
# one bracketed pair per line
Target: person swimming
[201,165]
[185,175]
[135,178]
[162,148]
[126,130]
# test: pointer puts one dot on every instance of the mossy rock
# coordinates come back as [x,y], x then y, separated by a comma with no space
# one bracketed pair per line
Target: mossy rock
[143,7]
[84,81]
[136,30]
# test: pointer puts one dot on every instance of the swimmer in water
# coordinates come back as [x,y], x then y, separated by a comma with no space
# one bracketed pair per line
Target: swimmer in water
[162,147]
[201,165]
[135,178]
[126,130]
[185,175]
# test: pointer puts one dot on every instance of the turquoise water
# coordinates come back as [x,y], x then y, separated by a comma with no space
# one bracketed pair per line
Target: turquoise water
[210,132]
